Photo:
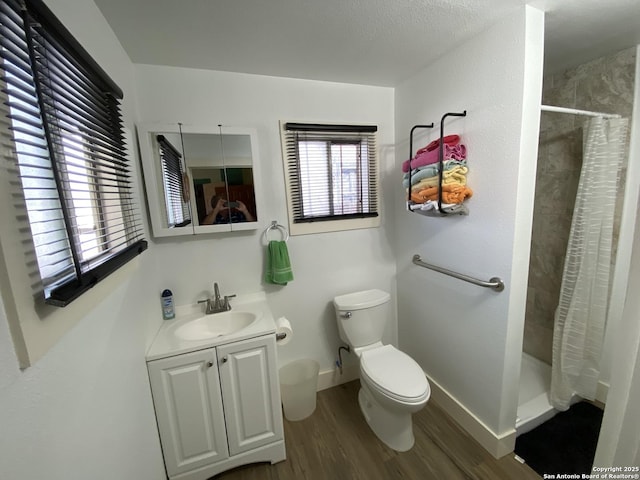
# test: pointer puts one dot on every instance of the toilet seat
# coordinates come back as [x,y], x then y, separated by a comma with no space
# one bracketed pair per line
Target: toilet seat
[394,374]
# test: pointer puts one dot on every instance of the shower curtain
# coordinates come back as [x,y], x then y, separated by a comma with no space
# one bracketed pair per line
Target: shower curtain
[581,315]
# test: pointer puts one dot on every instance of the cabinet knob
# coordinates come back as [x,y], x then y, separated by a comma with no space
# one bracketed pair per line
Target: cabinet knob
[209,364]
[224,359]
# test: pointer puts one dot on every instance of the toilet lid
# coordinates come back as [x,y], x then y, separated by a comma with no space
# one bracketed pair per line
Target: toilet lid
[394,372]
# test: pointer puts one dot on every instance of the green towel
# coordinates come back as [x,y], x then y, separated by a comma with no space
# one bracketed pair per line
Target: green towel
[278,265]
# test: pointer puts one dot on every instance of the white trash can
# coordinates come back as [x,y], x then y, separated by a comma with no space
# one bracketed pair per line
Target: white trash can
[298,386]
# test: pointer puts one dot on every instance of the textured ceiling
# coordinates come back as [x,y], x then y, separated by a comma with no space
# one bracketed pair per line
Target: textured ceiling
[374,42]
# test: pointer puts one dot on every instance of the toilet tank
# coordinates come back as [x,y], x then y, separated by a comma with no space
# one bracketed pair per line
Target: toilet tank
[362,316]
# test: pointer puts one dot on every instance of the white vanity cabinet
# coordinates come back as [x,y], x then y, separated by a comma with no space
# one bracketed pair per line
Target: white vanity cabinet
[218,408]
[189,411]
[251,394]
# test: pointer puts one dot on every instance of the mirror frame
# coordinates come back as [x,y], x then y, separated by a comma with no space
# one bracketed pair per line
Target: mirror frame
[152,181]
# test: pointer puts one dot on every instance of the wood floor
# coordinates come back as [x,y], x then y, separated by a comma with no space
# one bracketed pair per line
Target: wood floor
[335,443]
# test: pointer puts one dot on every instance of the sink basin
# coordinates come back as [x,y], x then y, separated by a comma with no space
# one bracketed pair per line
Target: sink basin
[215,325]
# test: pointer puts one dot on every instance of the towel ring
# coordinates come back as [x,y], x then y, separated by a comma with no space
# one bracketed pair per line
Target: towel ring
[276,226]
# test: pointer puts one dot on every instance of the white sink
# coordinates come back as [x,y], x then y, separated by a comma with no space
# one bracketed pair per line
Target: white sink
[215,325]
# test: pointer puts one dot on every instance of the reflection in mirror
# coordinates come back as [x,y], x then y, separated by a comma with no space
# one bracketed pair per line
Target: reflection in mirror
[239,180]
[206,182]
[224,195]
[174,181]
[198,181]
[221,170]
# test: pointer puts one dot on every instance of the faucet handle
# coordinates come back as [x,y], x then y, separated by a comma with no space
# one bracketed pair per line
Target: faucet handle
[208,302]
[227,306]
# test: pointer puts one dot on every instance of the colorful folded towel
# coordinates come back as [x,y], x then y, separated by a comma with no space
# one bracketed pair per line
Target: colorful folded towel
[457,175]
[450,194]
[278,266]
[448,140]
[455,152]
[432,205]
[429,171]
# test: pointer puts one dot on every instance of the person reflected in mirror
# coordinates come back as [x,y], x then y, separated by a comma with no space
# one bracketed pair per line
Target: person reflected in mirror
[227,212]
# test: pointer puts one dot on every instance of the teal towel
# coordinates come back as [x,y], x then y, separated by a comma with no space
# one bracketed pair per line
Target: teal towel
[278,265]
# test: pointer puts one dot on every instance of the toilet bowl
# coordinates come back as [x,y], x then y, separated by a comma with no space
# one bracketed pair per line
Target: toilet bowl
[393,386]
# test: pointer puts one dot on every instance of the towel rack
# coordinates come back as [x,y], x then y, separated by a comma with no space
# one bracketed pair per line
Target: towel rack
[458,209]
[413,129]
[276,226]
[494,283]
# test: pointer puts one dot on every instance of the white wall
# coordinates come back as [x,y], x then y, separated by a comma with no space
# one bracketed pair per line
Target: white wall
[83,410]
[469,339]
[324,265]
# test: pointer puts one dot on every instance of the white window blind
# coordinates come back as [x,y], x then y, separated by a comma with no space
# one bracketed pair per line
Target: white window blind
[178,214]
[331,171]
[67,132]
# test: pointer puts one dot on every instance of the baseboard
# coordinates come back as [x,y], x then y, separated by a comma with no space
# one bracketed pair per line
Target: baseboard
[331,378]
[496,445]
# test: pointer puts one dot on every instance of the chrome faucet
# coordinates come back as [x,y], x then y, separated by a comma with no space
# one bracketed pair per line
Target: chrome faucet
[216,296]
[217,304]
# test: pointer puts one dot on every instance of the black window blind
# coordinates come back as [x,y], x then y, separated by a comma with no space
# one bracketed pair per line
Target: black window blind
[332,171]
[177,206]
[65,121]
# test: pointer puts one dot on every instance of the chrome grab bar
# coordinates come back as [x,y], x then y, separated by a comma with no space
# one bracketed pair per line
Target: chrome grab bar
[494,283]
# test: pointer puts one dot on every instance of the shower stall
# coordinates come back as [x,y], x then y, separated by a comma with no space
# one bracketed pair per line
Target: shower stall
[603,85]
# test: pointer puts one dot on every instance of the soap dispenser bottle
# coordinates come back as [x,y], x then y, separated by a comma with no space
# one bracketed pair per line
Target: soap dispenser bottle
[168,311]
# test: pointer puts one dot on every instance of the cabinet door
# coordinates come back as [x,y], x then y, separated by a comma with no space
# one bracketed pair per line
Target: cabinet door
[251,394]
[186,396]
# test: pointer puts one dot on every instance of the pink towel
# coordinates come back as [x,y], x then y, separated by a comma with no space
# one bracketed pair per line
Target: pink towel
[448,140]
[455,152]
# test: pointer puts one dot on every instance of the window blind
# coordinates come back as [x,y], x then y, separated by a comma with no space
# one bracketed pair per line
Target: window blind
[332,171]
[172,178]
[66,125]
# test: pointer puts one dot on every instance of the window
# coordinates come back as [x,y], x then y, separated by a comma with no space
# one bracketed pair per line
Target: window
[176,200]
[331,176]
[69,151]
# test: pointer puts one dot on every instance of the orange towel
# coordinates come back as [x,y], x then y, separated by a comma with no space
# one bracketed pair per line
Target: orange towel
[450,194]
[456,175]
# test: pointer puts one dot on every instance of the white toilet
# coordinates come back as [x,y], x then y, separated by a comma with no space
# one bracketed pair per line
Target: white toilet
[393,386]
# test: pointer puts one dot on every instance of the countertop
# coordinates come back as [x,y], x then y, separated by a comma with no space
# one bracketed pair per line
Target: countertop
[166,344]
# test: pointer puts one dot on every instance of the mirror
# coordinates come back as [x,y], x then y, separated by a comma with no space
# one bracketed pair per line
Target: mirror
[199,181]
[221,170]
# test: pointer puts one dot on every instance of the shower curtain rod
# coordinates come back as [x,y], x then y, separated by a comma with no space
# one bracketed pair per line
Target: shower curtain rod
[550,108]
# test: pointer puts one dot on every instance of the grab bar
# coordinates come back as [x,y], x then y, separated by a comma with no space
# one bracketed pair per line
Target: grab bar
[495,282]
